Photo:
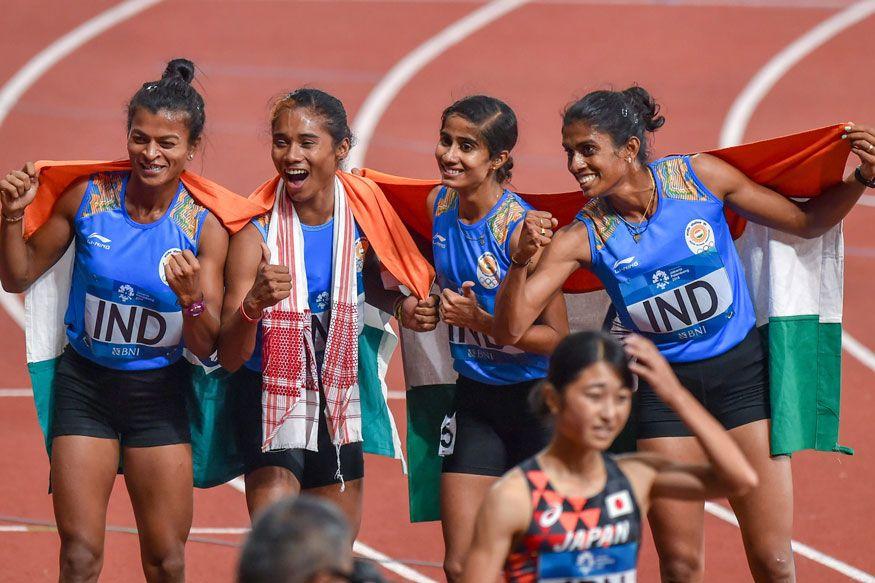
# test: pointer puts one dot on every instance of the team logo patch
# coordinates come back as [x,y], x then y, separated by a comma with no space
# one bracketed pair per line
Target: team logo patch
[163,262]
[487,270]
[619,504]
[699,236]
[448,436]
[125,293]
[360,251]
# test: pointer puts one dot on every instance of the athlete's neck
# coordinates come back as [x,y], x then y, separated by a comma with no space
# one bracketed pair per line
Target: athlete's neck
[147,204]
[318,209]
[634,195]
[476,203]
[574,460]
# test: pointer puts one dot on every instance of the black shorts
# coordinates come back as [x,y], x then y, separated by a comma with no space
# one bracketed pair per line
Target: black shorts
[492,429]
[139,408]
[312,469]
[733,387]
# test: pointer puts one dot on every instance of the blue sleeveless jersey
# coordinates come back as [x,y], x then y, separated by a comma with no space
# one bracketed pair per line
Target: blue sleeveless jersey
[481,253]
[318,249]
[681,284]
[121,313]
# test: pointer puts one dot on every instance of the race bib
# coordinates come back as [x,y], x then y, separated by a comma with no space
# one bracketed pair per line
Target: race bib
[448,436]
[125,322]
[615,564]
[688,299]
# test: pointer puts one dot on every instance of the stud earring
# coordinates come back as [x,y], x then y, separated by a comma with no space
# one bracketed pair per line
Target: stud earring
[191,156]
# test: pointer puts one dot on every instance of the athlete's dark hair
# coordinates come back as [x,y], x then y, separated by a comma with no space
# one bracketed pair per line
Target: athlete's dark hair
[293,540]
[496,122]
[620,114]
[174,93]
[574,354]
[324,104]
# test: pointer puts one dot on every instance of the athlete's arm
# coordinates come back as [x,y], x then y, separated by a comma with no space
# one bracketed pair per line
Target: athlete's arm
[764,206]
[418,315]
[728,473]
[22,262]
[193,279]
[244,264]
[505,513]
[522,297]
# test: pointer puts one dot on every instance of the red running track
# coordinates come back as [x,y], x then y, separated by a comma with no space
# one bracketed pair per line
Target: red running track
[694,56]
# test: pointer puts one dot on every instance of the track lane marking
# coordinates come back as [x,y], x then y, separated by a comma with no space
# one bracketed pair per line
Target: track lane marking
[384,92]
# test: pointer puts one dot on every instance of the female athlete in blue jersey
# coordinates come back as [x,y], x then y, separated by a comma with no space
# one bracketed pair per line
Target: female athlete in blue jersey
[476,225]
[310,139]
[574,513]
[147,280]
[656,236]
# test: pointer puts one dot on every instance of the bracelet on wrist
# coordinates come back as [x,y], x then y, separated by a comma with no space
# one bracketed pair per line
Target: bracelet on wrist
[870,183]
[246,316]
[194,309]
[14,219]
[516,263]
[398,310]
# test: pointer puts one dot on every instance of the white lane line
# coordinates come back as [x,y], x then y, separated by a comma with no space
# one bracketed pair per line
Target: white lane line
[218,530]
[400,395]
[856,349]
[759,86]
[13,528]
[364,550]
[806,551]
[44,60]
[15,393]
[867,200]
[384,92]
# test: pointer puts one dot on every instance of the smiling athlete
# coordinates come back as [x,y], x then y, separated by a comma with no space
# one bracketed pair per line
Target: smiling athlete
[476,227]
[656,235]
[147,280]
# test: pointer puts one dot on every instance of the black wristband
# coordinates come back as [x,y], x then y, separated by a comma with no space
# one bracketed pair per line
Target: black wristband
[862,179]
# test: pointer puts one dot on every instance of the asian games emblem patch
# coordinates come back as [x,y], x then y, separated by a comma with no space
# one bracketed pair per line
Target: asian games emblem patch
[487,270]
[163,261]
[699,236]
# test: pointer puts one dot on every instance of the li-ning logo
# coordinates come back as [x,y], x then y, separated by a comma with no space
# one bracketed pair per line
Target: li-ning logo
[624,264]
[97,240]
[439,241]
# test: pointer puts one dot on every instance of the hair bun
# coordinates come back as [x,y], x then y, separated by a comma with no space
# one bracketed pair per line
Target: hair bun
[644,104]
[182,68]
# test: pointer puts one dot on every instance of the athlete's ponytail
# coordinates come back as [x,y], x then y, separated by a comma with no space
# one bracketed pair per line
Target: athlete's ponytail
[620,114]
[576,353]
[172,93]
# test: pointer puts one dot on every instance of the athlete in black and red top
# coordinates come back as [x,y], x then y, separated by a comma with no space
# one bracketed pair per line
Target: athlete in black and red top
[572,513]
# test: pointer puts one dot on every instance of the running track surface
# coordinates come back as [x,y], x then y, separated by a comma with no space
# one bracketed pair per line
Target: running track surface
[694,56]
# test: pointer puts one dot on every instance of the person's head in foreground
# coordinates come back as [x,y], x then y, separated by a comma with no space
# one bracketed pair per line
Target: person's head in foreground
[298,540]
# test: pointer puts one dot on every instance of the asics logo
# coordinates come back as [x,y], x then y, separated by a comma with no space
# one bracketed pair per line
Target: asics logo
[97,240]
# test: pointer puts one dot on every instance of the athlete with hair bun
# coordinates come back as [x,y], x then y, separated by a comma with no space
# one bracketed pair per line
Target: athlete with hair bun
[656,235]
[476,228]
[573,512]
[147,280]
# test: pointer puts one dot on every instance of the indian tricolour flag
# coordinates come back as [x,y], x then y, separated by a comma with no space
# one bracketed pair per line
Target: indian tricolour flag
[796,286]
[215,456]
